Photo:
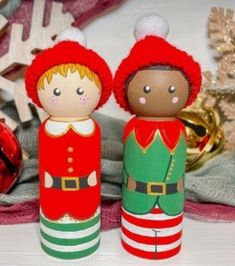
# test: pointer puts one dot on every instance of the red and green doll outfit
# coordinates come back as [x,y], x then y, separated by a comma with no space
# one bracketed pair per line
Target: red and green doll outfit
[69,154]
[154,154]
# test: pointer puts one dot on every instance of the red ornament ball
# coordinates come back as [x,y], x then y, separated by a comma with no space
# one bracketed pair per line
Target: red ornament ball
[10,158]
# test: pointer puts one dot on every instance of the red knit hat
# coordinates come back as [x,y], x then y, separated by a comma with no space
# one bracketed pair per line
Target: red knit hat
[152,49]
[64,52]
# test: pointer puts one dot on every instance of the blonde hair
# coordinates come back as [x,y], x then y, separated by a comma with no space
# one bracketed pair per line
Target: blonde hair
[63,70]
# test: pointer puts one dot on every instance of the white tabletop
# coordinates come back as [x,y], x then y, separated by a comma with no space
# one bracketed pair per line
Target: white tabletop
[111,35]
[204,244]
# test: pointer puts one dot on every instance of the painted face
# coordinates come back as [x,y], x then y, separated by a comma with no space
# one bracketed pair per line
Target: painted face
[69,96]
[157,93]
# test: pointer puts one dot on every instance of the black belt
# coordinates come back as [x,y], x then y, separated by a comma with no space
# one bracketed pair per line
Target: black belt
[156,188]
[70,183]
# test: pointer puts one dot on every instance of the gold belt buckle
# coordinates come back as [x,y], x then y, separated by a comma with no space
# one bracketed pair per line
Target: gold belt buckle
[63,183]
[150,192]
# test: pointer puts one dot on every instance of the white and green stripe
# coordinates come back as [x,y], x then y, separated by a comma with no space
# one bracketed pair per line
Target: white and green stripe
[70,240]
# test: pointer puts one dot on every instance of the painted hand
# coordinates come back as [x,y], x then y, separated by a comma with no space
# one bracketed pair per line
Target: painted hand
[92,179]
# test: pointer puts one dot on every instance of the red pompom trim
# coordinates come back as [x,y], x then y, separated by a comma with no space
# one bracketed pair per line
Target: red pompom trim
[155,51]
[66,52]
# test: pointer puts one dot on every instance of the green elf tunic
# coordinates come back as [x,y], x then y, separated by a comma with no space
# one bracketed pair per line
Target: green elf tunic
[153,187]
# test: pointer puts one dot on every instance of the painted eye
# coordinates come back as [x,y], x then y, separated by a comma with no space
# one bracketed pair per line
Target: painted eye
[57,92]
[147,89]
[80,91]
[171,89]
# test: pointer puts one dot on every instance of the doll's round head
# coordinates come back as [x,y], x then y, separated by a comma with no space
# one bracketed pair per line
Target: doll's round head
[158,91]
[68,79]
[156,79]
[69,90]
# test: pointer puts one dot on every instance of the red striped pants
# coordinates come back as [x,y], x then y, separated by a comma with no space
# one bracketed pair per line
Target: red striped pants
[152,236]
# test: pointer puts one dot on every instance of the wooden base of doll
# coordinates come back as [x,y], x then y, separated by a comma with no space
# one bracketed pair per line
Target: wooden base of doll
[68,238]
[152,236]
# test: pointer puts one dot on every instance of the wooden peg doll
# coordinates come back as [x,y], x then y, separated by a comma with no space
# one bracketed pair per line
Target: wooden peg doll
[69,82]
[154,82]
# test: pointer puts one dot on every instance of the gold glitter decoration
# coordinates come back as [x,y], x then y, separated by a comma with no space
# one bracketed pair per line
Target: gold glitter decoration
[219,88]
[205,137]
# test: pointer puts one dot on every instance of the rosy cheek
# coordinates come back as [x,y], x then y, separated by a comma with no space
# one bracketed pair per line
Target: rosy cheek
[142,100]
[175,100]
[53,99]
[84,99]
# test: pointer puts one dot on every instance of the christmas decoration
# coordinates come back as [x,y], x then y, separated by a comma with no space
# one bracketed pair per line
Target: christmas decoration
[40,37]
[205,137]
[154,82]
[69,86]
[10,158]
[219,88]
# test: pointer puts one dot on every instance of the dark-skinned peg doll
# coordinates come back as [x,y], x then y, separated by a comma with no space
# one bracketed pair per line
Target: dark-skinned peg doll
[154,82]
[69,81]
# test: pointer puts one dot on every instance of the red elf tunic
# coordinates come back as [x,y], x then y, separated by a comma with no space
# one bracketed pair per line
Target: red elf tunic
[69,151]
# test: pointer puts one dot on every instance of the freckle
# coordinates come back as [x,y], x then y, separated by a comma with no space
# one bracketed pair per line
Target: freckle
[175,100]
[142,100]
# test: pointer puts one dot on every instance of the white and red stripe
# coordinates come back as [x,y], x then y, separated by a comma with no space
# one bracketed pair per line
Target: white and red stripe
[154,235]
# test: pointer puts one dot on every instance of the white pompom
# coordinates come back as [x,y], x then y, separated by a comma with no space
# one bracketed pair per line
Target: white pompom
[72,34]
[151,25]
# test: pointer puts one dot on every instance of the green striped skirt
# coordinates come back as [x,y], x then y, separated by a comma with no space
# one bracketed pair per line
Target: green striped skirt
[68,238]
